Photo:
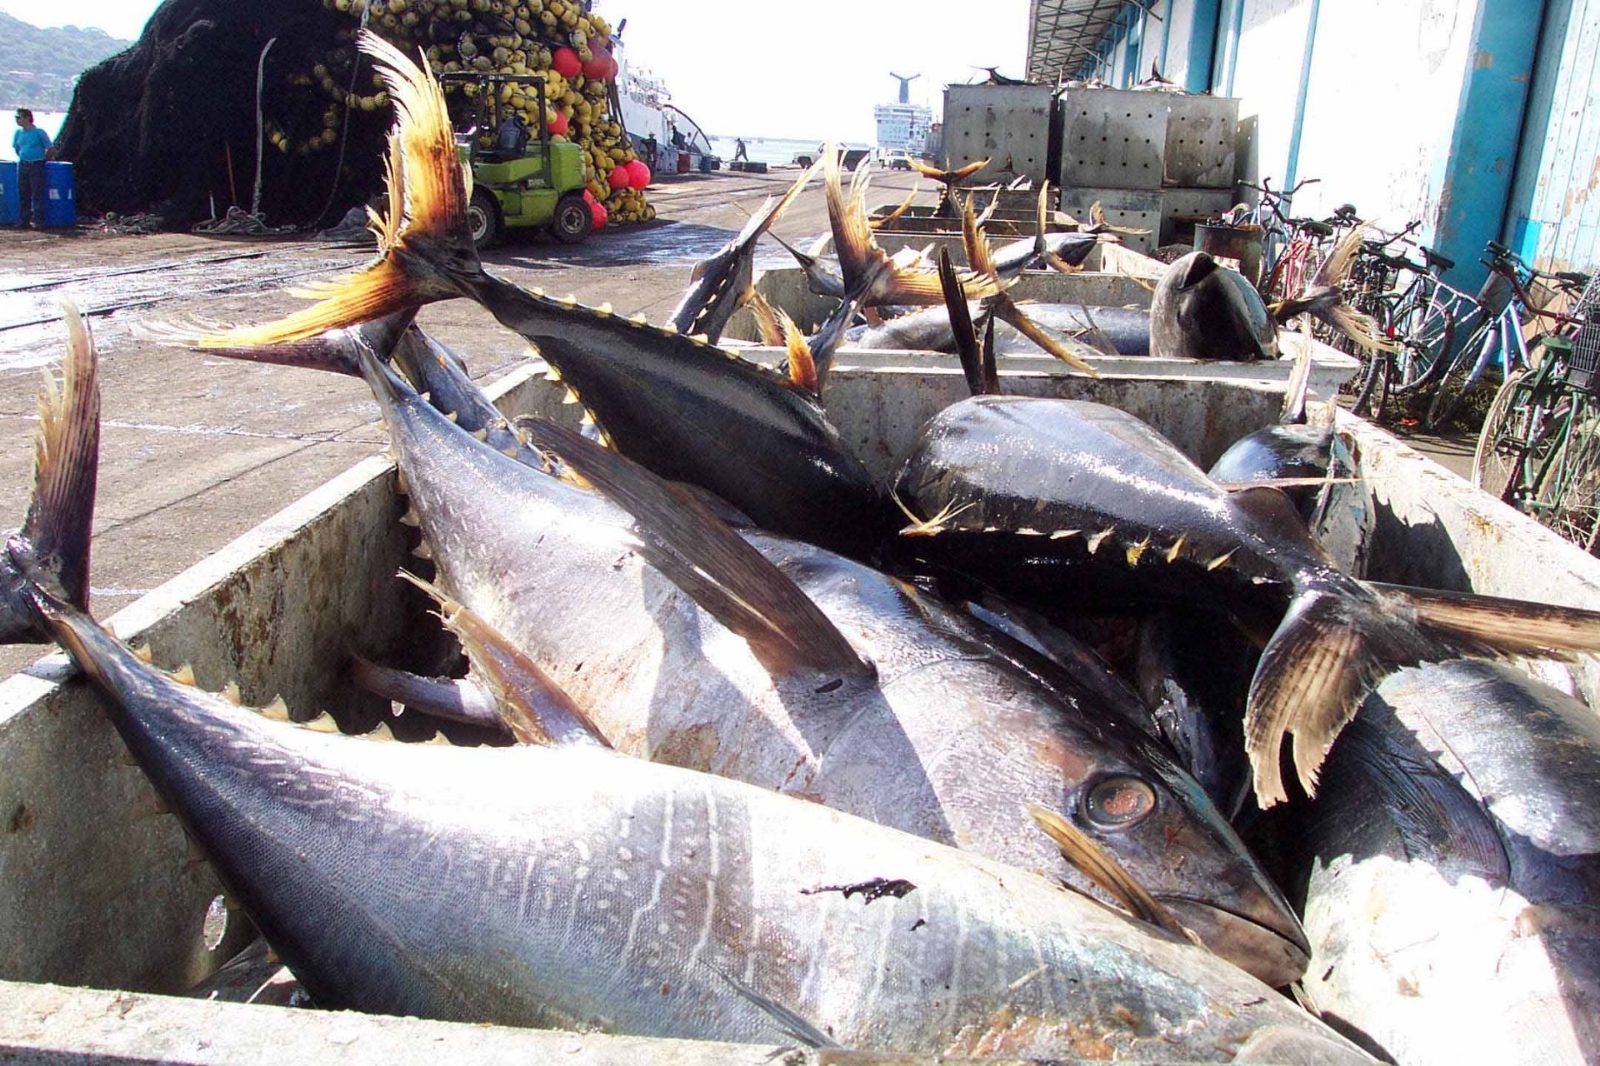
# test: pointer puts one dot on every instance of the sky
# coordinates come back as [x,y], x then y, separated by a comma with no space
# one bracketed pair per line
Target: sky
[751,68]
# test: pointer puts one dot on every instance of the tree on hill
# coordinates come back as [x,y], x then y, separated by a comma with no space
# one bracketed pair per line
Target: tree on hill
[38,67]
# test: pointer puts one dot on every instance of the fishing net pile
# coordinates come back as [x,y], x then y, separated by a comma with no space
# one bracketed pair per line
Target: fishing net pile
[170,125]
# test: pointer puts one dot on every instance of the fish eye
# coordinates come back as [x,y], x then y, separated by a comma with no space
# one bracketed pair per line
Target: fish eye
[1118,802]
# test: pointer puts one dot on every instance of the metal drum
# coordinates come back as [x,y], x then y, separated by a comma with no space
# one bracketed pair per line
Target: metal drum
[60,204]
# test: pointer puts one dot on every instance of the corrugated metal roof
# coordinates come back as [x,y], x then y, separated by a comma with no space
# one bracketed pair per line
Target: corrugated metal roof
[1062,34]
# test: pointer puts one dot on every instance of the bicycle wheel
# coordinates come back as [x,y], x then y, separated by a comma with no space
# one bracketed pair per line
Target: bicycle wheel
[1426,330]
[1372,387]
[1451,390]
[1568,495]
[1505,440]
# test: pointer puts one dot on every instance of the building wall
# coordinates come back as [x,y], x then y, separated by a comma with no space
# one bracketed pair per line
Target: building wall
[1381,104]
[1555,204]
[1411,109]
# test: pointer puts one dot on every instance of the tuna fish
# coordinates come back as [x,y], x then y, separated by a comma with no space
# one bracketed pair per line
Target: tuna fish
[892,722]
[1203,310]
[569,886]
[722,283]
[684,643]
[691,411]
[1054,502]
[1450,866]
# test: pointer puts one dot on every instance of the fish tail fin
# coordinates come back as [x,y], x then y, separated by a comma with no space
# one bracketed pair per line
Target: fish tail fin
[1335,643]
[1340,638]
[869,274]
[424,242]
[51,550]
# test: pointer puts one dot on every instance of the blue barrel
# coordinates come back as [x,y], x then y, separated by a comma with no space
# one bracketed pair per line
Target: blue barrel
[60,206]
[10,205]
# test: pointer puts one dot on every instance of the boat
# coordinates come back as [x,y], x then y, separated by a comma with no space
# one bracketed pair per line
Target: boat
[903,126]
[644,107]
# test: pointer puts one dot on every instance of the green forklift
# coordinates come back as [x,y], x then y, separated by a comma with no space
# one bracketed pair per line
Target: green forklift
[516,180]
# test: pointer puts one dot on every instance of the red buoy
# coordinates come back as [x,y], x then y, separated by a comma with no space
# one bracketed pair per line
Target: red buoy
[638,174]
[620,177]
[598,212]
[599,65]
[558,123]
[566,62]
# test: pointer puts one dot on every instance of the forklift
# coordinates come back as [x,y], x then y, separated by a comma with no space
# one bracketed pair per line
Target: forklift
[515,183]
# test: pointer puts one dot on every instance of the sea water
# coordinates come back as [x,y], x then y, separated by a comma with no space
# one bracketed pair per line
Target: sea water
[773,151]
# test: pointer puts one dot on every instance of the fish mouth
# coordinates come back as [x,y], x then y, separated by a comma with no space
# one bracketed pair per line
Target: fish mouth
[1268,943]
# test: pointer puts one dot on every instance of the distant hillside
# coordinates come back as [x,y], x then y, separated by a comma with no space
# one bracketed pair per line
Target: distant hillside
[38,67]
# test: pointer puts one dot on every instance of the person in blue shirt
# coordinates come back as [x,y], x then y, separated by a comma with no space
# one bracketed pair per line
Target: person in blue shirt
[33,147]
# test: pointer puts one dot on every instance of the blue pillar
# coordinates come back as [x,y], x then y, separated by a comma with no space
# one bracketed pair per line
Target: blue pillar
[1473,186]
[1202,44]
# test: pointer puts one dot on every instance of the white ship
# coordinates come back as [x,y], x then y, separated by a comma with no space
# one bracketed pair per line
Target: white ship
[903,126]
[647,111]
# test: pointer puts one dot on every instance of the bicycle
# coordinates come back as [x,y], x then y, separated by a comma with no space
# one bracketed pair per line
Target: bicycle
[1539,449]
[1504,303]
[1291,248]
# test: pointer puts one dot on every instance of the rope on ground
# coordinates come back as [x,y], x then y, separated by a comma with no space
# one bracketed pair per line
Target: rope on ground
[352,229]
[240,223]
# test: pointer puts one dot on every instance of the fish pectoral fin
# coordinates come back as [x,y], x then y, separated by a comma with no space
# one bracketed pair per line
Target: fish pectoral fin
[709,562]
[982,379]
[1490,624]
[1335,643]
[789,1022]
[1095,862]
[455,699]
[520,695]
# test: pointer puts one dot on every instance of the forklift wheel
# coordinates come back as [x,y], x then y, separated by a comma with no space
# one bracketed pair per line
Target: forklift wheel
[483,217]
[573,220]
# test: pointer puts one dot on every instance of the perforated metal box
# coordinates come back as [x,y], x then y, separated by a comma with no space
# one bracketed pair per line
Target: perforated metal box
[1181,208]
[1201,141]
[1130,208]
[1009,125]
[1112,138]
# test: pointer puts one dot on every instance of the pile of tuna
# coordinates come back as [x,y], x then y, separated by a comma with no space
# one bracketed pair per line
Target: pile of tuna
[803,758]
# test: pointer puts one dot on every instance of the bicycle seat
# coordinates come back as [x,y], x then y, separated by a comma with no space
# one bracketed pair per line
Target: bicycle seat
[1345,211]
[1311,225]
[1433,258]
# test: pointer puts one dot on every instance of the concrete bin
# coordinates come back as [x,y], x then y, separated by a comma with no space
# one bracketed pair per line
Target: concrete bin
[98,889]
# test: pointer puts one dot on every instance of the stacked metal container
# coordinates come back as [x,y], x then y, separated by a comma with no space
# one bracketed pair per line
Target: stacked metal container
[1152,160]
[1009,125]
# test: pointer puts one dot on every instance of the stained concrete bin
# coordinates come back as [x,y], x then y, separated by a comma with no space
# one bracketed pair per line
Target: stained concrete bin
[97,886]
[1127,281]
